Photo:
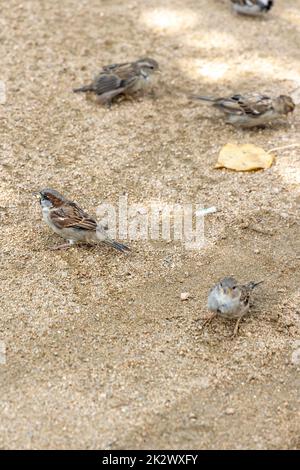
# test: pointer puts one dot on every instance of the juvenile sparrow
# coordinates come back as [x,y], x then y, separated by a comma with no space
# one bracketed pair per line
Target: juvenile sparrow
[251,110]
[252,7]
[117,79]
[230,300]
[69,221]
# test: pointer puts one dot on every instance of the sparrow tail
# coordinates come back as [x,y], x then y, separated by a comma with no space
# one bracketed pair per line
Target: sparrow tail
[118,246]
[265,5]
[253,284]
[202,98]
[83,89]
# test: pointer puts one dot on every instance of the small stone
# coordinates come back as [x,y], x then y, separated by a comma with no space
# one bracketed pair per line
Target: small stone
[296,344]
[296,357]
[229,411]
[184,295]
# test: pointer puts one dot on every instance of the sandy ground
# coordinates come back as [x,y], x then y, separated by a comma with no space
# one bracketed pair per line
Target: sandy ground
[100,350]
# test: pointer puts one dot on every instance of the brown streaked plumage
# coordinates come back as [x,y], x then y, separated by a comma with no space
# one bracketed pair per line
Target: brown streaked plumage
[71,222]
[252,109]
[126,78]
[229,299]
[252,7]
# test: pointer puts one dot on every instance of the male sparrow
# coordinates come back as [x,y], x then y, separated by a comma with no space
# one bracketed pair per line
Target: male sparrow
[252,7]
[69,221]
[117,79]
[252,109]
[230,300]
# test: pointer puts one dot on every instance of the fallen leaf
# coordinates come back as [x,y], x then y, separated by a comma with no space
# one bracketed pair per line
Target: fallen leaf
[244,157]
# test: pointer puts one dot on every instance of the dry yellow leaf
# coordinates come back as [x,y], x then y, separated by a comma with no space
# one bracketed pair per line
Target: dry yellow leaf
[245,157]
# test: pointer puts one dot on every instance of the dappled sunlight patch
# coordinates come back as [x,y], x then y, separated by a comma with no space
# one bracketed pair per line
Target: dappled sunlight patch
[289,170]
[290,174]
[271,68]
[292,15]
[212,70]
[218,69]
[216,40]
[168,21]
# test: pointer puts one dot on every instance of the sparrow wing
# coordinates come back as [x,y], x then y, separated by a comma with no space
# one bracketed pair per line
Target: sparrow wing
[126,72]
[245,295]
[254,104]
[251,3]
[115,67]
[243,2]
[72,216]
[107,82]
[231,105]
[261,105]
[120,78]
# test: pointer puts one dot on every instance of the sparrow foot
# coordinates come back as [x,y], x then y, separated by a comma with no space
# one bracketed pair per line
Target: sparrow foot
[236,328]
[65,246]
[208,320]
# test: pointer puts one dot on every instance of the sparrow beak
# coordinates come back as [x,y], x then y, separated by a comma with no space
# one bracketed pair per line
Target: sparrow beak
[36,194]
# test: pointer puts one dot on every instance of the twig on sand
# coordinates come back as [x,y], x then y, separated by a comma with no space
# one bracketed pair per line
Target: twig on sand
[284,147]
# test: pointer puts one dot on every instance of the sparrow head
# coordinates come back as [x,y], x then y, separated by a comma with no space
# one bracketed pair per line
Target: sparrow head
[50,198]
[284,104]
[147,65]
[228,286]
[268,4]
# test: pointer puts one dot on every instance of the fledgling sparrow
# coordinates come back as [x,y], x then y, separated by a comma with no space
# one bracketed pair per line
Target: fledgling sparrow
[252,7]
[230,300]
[69,221]
[251,110]
[121,79]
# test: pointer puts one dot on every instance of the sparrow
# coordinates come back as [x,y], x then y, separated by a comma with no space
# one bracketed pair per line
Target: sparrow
[230,300]
[252,7]
[252,109]
[72,223]
[121,79]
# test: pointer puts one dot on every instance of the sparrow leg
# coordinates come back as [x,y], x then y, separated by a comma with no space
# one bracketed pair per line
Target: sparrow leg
[107,97]
[130,98]
[153,94]
[64,246]
[236,328]
[209,319]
